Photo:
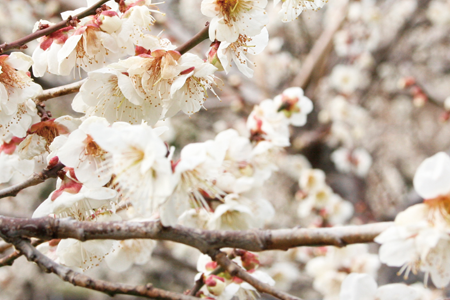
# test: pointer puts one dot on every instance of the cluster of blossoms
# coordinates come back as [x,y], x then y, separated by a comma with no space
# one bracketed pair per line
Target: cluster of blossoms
[419,240]
[319,205]
[119,167]
[215,184]
[223,286]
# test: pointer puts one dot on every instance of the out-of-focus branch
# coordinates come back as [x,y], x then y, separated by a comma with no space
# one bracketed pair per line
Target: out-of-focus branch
[81,280]
[46,31]
[34,180]
[195,40]
[321,47]
[203,240]
[222,259]
[59,91]
[9,259]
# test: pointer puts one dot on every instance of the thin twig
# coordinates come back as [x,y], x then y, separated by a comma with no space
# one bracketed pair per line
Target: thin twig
[9,260]
[81,280]
[195,40]
[34,180]
[204,240]
[199,283]
[60,91]
[222,259]
[46,31]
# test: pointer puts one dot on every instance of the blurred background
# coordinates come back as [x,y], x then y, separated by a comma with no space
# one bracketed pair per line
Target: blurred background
[378,73]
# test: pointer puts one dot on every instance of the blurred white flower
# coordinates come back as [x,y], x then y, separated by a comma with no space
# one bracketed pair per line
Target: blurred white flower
[345,78]
[291,9]
[363,287]
[357,161]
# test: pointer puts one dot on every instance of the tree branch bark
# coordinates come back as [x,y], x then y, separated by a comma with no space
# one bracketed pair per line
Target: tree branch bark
[234,270]
[81,280]
[34,180]
[203,240]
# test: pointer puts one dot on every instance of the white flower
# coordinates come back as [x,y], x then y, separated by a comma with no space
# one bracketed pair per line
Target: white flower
[238,51]
[329,271]
[235,17]
[345,79]
[240,213]
[291,9]
[11,164]
[295,105]
[81,152]
[110,94]
[438,12]
[49,45]
[129,252]
[363,287]
[142,171]
[432,176]
[267,124]
[357,161]
[16,91]
[88,48]
[189,89]
[195,174]
[311,180]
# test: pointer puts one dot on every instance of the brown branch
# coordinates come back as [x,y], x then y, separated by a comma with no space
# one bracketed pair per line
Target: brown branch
[81,280]
[59,91]
[46,31]
[9,260]
[222,259]
[203,240]
[321,47]
[34,180]
[195,40]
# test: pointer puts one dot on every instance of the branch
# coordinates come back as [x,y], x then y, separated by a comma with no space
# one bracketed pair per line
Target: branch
[34,180]
[81,280]
[195,40]
[4,247]
[320,48]
[46,31]
[203,240]
[237,271]
[59,91]
[8,260]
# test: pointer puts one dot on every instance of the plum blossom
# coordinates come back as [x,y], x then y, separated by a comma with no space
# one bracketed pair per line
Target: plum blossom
[138,160]
[232,18]
[419,239]
[291,9]
[294,105]
[345,79]
[81,152]
[129,252]
[362,286]
[11,163]
[330,270]
[188,91]
[110,94]
[239,50]
[16,91]
[357,161]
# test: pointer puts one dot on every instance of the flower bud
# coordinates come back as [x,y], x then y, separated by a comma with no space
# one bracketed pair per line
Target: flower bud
[215,284]
[212,56]
[250,261]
